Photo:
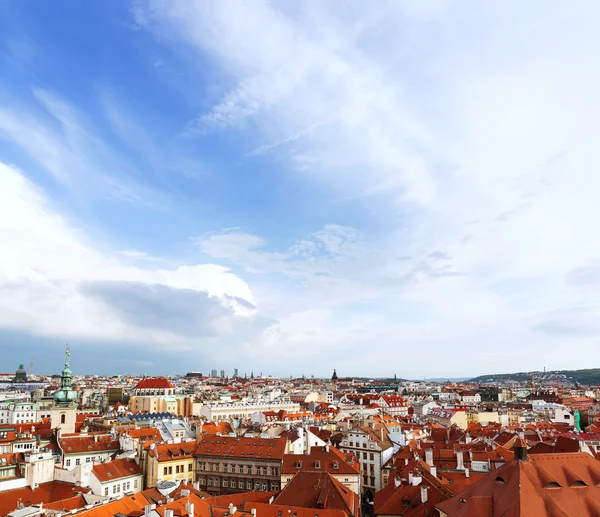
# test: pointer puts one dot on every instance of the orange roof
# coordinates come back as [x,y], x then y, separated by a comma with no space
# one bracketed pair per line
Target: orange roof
[44,493]
[242,447]
[128,505]
[116,469]
[154,383]
[318,490]
[88,443]
[277,510]
[542,484]
[321,459]
[173,451]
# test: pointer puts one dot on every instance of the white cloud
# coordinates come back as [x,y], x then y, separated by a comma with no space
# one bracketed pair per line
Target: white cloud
[469,133]
[46,264]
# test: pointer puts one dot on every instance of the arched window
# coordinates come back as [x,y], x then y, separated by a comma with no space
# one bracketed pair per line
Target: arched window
[63,418]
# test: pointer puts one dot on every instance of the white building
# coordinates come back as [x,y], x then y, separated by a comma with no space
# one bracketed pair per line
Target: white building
[238,410]
[18,412]
[116,477]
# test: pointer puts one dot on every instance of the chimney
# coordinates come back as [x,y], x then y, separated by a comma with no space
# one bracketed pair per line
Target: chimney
[520,450]
[168,512]
[405,461]
[327,447]
[190,508]
[253,512]
[433,471]
[429,457]
[196,485]
[467,473]
[397,481]
[410,478]
[460,462]
[147,510]
[423,494]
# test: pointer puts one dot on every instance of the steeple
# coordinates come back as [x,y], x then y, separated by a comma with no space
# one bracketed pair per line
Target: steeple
[65,396]
[334,377]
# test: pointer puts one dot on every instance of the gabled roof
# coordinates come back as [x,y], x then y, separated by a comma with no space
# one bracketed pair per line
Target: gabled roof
[318,490]
[154,383]
[88,443]
[228,446]
[321,459]
[173,451]
[112,470]
[44,493]
[542,485]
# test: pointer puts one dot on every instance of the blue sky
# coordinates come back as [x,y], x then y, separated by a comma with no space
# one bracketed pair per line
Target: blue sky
[287,187]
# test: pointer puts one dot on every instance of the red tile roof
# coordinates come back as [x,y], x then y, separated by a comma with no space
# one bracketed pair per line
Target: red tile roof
[173,451]
[318,490]
[227,446]
[544,485]
[277,510]
[44,493]
[154,383]
[88,443]
[116,469]
[321,460]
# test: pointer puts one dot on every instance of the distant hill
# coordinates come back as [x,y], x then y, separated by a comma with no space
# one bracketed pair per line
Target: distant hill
[589,376]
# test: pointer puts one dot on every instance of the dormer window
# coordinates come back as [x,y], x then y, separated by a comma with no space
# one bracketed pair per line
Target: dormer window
[299,465]
[317,464]
[336,465]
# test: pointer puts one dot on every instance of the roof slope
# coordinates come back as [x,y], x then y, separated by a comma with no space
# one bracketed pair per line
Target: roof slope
[560,484]
[227,446]
[318,490]
[112,470]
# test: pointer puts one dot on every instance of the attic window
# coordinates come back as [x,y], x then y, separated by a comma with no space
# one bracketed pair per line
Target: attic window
[553,484]
[578,483]
[500,479]
[317,464]
[336,465]
[299,465]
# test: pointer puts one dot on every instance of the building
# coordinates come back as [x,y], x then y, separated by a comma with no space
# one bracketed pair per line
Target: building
[541,485]
[238,410]
[63,413]
[449,417]
[20,375]
[235,372]
[373,448]
[344,467]
[213,373]
[116,477]
[156,395]
[229,465]
[18,412]
[86,450]
[170,462]
[318,491]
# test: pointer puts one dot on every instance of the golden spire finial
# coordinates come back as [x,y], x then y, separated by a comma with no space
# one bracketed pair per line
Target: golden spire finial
[68,351]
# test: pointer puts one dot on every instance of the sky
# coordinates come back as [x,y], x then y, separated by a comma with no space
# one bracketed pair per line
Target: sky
[406,188]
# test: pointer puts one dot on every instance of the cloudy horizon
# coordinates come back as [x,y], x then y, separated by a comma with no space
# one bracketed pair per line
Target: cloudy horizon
[291,187]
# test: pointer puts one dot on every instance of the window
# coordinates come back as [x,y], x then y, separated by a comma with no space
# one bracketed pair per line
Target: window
[225,483]
[372,456]
[249,485]
[106,491]
[63,418]
[68,463]
[249,469]
[170,470]
[241,469]
[135,485]
[165,470]
[114,489]
[78,461]
[275,487]
[372,481]
[241,484]
[88,459]
[364,455]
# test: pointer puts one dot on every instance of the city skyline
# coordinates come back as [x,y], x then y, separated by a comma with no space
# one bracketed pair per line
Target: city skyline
[408,185]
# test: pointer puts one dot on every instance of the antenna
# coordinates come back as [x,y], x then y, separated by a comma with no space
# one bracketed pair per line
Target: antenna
[31,367]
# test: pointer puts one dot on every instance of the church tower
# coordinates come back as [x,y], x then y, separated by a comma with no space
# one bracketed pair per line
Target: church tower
[334,377]
[65,401]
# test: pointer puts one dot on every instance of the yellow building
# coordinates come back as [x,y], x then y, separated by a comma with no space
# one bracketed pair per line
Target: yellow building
[170,462]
